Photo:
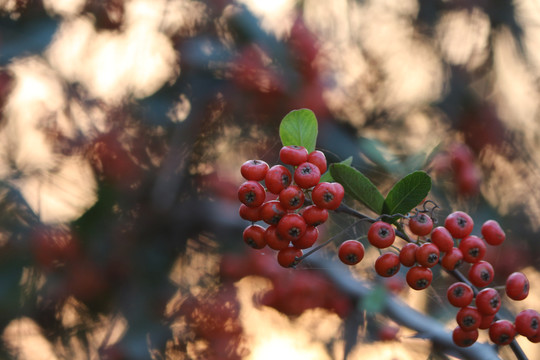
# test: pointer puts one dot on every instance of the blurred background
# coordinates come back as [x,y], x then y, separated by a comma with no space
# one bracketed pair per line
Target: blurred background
[124,123]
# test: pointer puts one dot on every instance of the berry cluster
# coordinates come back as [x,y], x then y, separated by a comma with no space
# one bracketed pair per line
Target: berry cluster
[280,203]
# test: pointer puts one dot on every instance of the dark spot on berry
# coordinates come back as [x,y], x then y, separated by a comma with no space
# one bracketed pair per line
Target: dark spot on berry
[328,196]
[383,232]
[432,258]
[250,196]
[393,270]
[468,342]
[352,258]
[461,222]
[494,302]
[422,218]
[485,275]
[294,232]
[503,338]
[458,291]
[469,321]
[306,170]
[294,201]
[422,283]
[534,323]
[474,252]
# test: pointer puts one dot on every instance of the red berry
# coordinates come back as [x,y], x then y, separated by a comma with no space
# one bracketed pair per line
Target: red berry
[381,234]
[308,239]
[288,257]
[249,213]
[459,294]
[502,332]
[292,227]
[387,333]
[251,194]
[493,233]
[271,212]
[254,236]
[452,259]
[314,215]
[517,286]
[441,237]
[487,320]
[419,277]
[464,338]
[468,318]
[407,254]
[481,274]
[254,170]
[307,175]
[473,249]
[488,301]
[421,224]
[459,224]
[535,339]
[527,322]
[274,240]
[387,264]
[427,255]
[293,155]
[317,157]
[328,195]
[292,197]
[277,178]
[351,252]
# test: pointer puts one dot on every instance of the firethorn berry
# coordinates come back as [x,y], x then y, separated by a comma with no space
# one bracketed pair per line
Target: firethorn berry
[493,233]
[517,286]
[381,234]
[277,178]
[351,252]
[254,170]
[287,257]
[407,254]
[314,215]
[441,237]
[251,194]
[464,338]
[459,294]
[274,240]
[271,212]
[527,322]
[292,227]
[421,224]
[387,264]
[427,255]
[419,277]
[535,339]
[254,236]
[473,249]
[248,213]
[487,320]
[488,301]
[502,332]
[317,157]
[291,197]
[293,155]
[452,259]
[308,239]
[481,274]
[328,195]
[459,224]
[307,175]
[468,318]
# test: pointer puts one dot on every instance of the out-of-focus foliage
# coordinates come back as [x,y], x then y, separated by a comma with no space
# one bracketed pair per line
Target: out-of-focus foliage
[124,123]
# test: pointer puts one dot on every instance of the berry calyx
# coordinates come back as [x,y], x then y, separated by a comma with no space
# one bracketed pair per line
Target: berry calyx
[351,252]
[328,195]
[442,238]
[381,234]
[459,224]
[473,249]
[254,236]
[517,286]
[427,255]
[277,178]
[421,224]
[307,175]
[254,170]
[481,274]
[387,264]
[251,194]
[493,233]
[419,277]
[459,294]
[502,332]
[293,155]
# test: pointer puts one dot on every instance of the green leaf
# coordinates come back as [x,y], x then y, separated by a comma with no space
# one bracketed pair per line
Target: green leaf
[375,301]
[358,186]
[407,193]
[299,127]
[327,177]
